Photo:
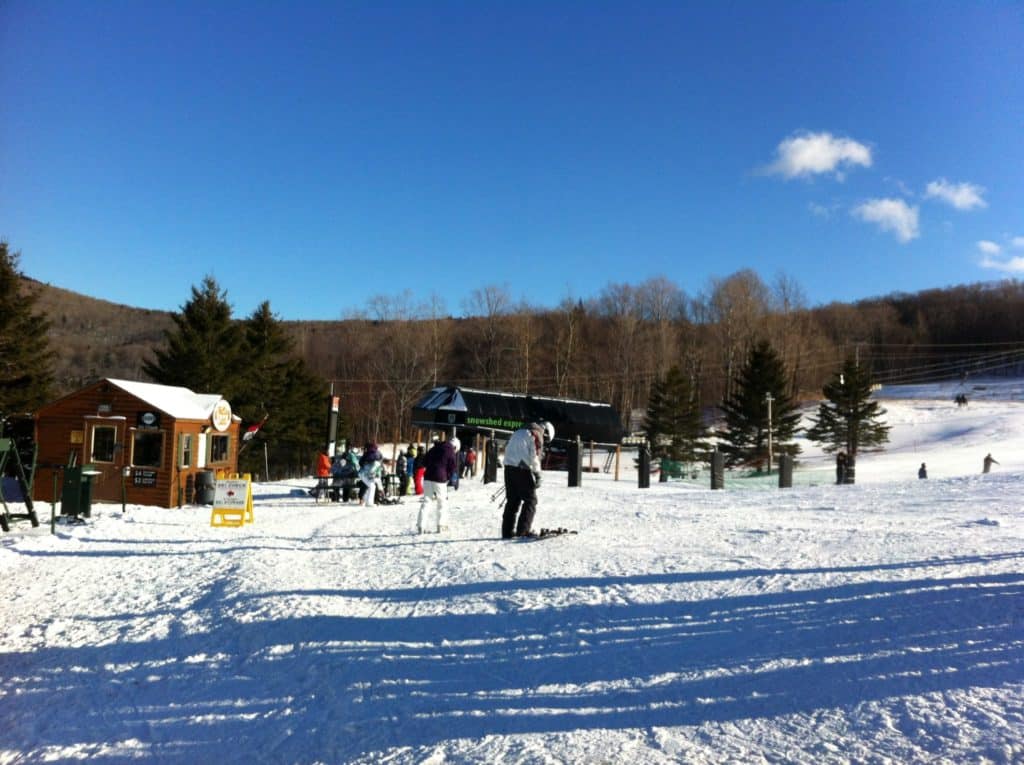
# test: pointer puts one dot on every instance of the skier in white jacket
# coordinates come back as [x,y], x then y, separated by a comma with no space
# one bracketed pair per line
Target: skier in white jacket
[522,477]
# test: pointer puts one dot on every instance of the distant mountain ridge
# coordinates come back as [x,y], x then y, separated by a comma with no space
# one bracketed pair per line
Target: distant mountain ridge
[908,337]
[96,338]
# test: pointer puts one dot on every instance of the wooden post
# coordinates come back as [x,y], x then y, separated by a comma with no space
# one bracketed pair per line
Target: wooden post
[591,456]
[618,453]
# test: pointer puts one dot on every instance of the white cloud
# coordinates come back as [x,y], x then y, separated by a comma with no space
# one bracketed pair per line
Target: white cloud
[1010,265]
[808,154]
[1018,242]
[989,248]
[819,211]
[962,196]
[890,215]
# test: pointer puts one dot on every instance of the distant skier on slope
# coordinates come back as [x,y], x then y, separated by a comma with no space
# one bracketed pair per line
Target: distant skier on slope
[523,477]
[988,463]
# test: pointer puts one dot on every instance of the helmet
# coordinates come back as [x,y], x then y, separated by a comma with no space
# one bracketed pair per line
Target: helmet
[455,443]
[546,429]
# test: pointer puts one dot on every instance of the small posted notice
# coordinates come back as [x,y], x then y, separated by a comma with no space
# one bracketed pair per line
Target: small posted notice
[232,502]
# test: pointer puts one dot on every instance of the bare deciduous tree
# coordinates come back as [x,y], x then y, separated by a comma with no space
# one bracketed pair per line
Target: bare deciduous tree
[662,305]
[487,342]
[736,306]
[566,334]
[619,305]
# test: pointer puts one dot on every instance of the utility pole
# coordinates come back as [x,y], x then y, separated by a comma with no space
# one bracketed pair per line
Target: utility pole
[333,407]
[769,399]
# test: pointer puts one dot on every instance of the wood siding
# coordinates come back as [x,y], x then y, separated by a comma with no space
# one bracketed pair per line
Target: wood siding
[65,428]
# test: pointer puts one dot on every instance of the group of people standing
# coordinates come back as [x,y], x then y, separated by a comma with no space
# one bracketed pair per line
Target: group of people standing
[429,472]
[522,478]
[442,465]
[410,467]
[351,473]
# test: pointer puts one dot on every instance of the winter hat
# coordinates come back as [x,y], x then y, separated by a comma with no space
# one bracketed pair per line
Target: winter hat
[456,445]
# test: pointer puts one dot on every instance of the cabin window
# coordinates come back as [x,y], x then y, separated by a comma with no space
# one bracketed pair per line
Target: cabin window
[219,448]
[104,438]
[186,450]
[147,448]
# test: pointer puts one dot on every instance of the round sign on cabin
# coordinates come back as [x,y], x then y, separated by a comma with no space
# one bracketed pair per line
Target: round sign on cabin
[222,416]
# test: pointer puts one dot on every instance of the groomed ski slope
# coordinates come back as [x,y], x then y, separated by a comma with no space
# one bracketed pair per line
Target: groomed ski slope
[876,623]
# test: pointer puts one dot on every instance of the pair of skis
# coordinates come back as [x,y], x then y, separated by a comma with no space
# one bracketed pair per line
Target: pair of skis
[547,534]
[499,496]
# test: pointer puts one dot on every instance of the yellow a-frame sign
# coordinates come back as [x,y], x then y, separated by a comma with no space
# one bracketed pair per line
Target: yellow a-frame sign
[232,501]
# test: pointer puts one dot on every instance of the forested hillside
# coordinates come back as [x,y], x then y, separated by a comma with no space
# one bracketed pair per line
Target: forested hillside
[611,347]
[94,338]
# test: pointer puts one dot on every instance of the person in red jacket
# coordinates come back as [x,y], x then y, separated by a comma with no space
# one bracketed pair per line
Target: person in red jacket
[323,474]
[419,470]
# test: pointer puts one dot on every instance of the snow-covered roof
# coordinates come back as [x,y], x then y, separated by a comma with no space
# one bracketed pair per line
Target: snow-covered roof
[177,402]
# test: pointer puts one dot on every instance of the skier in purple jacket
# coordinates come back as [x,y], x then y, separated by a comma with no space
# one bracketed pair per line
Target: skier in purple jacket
[441,464]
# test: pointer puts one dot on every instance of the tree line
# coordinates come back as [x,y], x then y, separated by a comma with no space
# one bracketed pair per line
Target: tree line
[760,419]
[615,347]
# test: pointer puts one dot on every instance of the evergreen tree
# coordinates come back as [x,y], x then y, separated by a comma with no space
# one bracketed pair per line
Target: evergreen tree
[203,349]
[26,359]
[673,423]
[277,387]
[266,350]
[745,435]
[849,419]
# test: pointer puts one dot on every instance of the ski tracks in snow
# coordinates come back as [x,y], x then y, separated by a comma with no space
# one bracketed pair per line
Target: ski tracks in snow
[827,624]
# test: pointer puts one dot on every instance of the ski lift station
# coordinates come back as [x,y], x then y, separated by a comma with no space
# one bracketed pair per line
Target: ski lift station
[456,410]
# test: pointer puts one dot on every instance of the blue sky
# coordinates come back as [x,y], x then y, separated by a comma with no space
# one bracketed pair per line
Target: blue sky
[319,154]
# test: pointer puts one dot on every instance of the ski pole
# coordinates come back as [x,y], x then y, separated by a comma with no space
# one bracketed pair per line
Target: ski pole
[497,494]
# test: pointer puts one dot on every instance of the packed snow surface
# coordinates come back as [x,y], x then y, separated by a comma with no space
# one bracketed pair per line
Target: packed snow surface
[876,623]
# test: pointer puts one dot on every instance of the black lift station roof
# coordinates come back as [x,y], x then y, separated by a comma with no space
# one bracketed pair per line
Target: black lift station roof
[483,411]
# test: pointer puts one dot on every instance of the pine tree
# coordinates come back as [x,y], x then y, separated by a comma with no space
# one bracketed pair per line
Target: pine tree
[26,359]
[673,422]
[276,386]
[265,354]
[849,418]
[745,434]
[303,408]
[203,349]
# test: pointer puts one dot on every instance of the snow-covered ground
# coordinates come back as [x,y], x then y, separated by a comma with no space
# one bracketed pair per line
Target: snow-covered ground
[876,623]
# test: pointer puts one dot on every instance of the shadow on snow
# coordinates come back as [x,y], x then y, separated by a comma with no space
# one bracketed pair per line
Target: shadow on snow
[341,687]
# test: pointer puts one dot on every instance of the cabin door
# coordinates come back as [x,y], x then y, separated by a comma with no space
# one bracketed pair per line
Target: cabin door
[104,449]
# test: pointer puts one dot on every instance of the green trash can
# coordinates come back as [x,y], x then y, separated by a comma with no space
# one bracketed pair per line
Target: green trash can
[76,498]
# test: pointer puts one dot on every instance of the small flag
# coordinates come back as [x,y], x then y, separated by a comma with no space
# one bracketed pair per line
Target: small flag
[253,429]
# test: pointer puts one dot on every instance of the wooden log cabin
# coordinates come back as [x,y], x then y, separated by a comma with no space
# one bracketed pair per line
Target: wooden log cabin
[153,438]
